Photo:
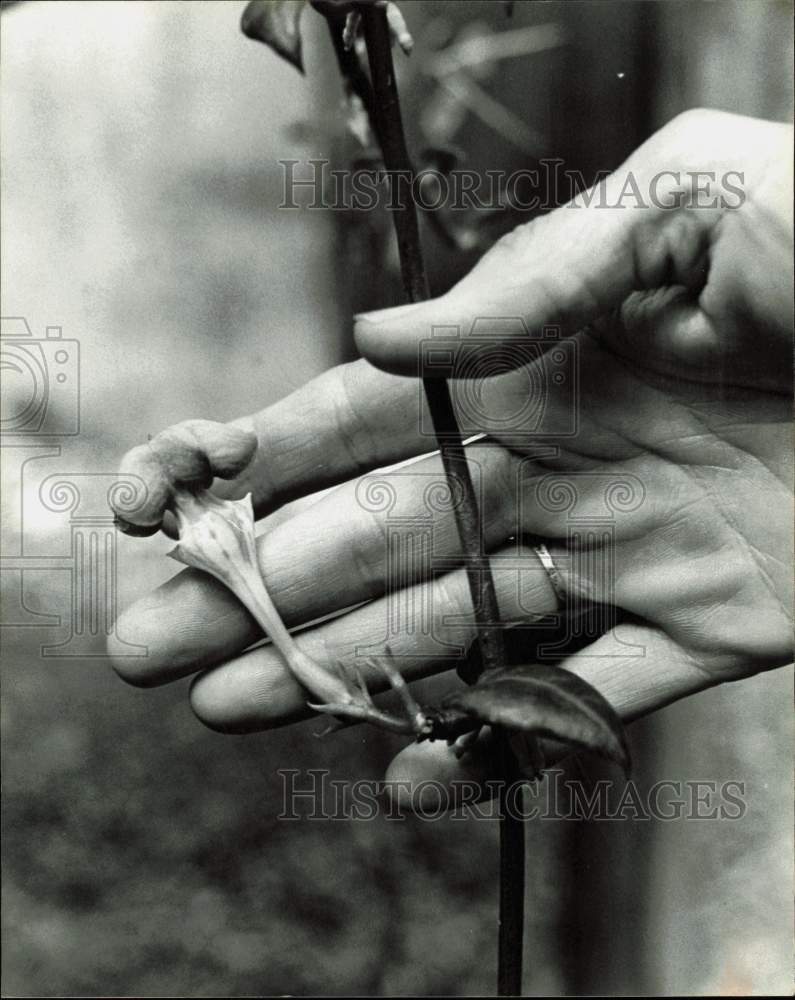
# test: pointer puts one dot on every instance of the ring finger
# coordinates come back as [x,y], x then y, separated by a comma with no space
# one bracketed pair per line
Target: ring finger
[427,627]
[387,524]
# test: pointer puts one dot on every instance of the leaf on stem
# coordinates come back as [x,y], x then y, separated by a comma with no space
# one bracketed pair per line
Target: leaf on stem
[276,24]
[543,700]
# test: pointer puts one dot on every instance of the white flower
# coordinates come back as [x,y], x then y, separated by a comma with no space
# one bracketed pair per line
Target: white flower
[217,536]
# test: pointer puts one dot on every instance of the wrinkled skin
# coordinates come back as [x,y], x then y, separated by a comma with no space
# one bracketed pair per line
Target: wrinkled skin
[682,320]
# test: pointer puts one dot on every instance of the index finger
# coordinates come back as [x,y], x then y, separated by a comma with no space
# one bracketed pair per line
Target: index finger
[346,421]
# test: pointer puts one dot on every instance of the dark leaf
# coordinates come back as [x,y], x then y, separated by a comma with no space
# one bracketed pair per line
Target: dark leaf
[275,22]
[527,752]
[540,699]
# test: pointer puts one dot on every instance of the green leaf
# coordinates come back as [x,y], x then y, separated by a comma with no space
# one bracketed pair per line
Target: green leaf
[542,700]
[276,24]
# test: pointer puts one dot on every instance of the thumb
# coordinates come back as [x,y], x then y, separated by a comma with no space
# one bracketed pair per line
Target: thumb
[562,270]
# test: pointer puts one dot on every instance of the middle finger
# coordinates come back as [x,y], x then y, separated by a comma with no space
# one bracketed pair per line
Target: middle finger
[427,628]
[328,557]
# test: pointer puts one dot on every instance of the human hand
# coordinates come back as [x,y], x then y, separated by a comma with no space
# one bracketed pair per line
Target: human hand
[689,244]
[682,387]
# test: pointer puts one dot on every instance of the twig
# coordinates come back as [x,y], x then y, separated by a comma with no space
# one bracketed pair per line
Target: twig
[512,880]
[388,126]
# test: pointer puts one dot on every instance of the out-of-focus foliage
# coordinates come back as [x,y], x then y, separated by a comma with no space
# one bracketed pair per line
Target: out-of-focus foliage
[142,854]
[276,24]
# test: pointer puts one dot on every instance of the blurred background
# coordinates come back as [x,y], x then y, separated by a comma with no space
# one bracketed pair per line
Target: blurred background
[142,855]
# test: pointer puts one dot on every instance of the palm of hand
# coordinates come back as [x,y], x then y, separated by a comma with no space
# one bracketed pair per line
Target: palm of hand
[704,556]
[682,389]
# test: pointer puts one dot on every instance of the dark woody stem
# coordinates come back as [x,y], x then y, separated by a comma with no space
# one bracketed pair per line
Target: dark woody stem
[388,126]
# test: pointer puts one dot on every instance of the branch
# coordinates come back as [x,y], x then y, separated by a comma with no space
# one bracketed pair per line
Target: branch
[388,126]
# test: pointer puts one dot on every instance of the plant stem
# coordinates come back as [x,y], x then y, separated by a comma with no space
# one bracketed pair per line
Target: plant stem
[512,880]
[388,126]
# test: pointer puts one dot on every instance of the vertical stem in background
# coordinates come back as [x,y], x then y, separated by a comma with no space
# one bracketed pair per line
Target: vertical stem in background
[389,128]
[512,880]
